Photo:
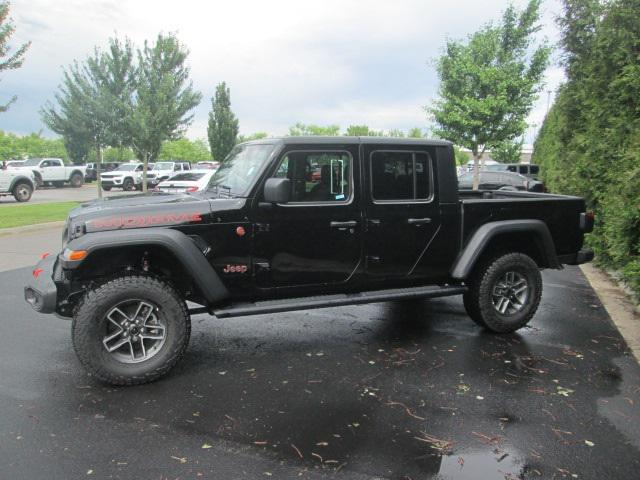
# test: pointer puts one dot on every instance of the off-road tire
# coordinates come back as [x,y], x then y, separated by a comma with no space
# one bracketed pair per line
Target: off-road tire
[478,300]
[89,324]
[22,192]
[76,180]
[128,185]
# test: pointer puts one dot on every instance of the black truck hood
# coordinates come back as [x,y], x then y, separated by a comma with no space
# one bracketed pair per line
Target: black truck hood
[151,210]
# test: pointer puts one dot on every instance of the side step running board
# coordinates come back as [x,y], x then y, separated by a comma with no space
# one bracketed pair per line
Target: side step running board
[324,301]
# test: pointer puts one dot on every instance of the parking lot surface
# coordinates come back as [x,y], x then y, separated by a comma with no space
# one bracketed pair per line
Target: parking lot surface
[65,194]
[391,390]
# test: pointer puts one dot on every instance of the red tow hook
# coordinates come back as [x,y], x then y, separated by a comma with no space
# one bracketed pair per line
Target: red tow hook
[44,255]
[37,272]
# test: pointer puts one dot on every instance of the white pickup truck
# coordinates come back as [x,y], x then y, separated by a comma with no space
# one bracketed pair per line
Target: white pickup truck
[19,184]
[54,171]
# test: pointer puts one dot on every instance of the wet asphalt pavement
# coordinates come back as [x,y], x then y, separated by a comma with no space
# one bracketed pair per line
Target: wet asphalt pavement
[393,390]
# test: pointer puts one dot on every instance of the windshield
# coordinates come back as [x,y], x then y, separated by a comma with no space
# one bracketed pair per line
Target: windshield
[163,166]
[32,162]
[238,171]
[128,167]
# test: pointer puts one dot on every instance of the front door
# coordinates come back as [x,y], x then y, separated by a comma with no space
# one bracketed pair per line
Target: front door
[315,239]
[52,170]
[402,212]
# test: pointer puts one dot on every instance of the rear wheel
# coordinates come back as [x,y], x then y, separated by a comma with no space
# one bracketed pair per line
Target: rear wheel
[22,192]
[76,180]
[504,292]
[131,330]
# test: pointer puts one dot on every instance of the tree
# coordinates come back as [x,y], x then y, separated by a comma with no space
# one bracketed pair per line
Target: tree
[362,131]
[488,84]
[222,129]
[9,61]
[507,151]
[93,102]
[163,98]
[303,130]
[416,132]
[185,149]
[252,136]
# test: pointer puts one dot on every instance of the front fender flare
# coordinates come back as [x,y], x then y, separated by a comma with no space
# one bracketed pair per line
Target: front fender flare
[479,241]
[179,244]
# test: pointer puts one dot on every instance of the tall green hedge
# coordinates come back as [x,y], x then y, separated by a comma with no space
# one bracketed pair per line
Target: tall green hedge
[589,143]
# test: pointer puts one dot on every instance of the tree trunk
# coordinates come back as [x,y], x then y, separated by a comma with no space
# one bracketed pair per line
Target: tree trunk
[99,169]
[476,169]
[145,166]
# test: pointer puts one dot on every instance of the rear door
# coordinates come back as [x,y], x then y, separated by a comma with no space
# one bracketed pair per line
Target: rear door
[401,208]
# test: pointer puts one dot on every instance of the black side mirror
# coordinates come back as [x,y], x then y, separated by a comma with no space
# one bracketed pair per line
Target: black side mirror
[277,190]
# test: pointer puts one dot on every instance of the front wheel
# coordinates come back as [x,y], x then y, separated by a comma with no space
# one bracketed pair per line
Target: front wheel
[504,293]
[130,330]
[128,185]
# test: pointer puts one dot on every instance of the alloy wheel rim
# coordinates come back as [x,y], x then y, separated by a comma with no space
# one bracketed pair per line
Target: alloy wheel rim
[23,192]
[134,331]
[510,293]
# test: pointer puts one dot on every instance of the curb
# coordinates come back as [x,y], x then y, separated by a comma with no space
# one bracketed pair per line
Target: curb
[618,305]
[31,228]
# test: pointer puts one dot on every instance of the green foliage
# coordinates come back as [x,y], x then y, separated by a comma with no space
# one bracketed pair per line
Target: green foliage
[489,83]
[416,132]
[362,131]
[163,98]
[222,129]
[302,130]
[507,151]
[185,149]
[252,136]
[461,157]
[9,61]
[589,143]
[34,145]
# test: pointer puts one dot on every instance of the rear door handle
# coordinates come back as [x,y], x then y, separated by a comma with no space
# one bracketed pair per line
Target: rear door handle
[418,221]
[342,225]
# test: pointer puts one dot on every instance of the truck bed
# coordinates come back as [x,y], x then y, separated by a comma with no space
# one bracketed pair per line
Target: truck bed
[561,213]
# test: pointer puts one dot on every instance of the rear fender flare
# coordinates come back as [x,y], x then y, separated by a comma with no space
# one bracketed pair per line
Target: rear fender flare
[179,244]
[482,237]
[21,178]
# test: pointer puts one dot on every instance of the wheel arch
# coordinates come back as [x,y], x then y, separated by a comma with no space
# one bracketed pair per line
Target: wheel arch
[21,178]
[177,251]
[531,237]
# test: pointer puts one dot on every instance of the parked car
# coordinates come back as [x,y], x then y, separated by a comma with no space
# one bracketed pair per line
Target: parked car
[528,170]
[164,170]
[92,173]
[208,165]
[20,184]
[128,176]
[14,163]
[54,172]
[385,222]
[190,182]
[500,181]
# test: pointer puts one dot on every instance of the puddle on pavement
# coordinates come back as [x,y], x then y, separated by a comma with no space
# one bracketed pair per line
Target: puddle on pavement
[505,464]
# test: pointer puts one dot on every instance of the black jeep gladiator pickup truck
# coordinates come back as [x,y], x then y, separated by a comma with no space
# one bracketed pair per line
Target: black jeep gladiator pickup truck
[292,224]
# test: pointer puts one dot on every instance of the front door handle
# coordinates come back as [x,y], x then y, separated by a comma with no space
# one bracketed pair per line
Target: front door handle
[418,221]
[343,225]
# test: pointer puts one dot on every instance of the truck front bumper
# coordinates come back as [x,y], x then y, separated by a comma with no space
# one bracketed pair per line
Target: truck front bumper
[41,291]
[583,256]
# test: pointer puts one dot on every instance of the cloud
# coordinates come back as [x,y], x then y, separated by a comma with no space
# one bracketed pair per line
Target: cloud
[330,62]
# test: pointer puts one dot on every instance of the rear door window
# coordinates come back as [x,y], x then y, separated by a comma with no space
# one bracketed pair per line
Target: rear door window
[400,176]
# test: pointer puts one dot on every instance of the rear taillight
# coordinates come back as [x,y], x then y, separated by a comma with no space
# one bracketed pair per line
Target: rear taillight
[192,189]
[586,221]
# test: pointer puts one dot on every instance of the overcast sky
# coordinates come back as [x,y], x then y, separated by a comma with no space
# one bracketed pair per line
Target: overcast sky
[328,62]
